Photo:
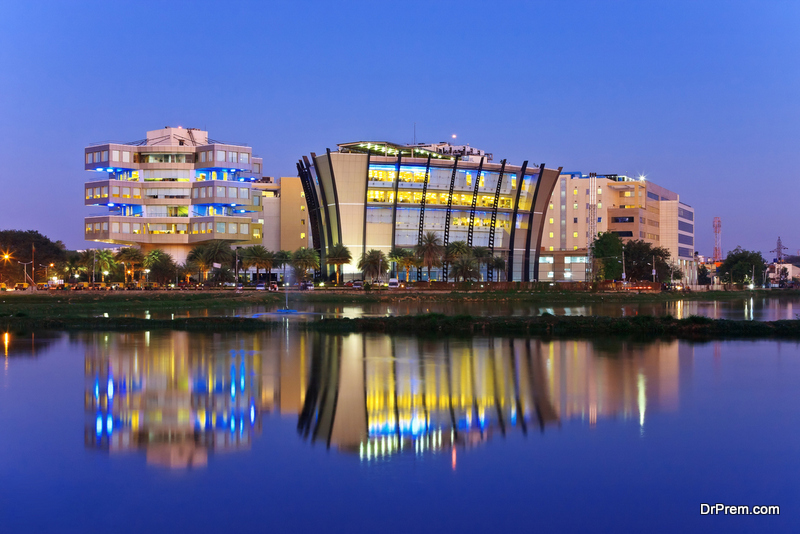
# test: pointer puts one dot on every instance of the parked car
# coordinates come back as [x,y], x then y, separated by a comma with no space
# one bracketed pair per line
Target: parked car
[306,286]
[3,287]
[21,286]
[273,286]
[394,283]
[261,286]
[357,284]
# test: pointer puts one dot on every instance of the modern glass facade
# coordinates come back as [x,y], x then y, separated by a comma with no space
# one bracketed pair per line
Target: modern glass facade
[371,197]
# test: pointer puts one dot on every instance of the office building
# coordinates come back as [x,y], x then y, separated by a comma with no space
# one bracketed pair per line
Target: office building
[285,214]
[379,195]
[173,190]
[633,208]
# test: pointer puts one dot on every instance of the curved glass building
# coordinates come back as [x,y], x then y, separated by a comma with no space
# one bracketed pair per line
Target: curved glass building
[379,195]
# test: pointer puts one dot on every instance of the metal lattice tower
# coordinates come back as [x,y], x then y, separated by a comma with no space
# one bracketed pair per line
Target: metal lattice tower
[779,255]
[717,239]
[591,235]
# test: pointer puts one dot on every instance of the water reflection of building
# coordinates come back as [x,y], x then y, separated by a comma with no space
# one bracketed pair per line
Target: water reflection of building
[379,395]
[176,396]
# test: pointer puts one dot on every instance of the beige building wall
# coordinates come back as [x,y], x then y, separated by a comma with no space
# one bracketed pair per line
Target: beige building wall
[294,225]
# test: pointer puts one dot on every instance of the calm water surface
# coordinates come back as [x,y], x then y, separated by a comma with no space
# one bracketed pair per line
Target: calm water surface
[750,309]
[291,432]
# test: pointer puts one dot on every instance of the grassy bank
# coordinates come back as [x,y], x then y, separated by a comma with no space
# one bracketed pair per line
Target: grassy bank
[205,324]
[696,328]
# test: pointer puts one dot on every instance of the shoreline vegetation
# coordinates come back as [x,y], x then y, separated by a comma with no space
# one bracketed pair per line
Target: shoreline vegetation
[639,327]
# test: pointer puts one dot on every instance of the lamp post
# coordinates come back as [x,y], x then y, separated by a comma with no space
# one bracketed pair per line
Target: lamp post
[25,268]
[146,276]
[105,273]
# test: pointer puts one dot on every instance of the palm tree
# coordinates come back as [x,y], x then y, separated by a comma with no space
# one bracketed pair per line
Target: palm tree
[466,268]
[197,257]
[405,259]
[304,259]
[454,251]
[429,251]
[72,266]
[129,256]
[373,263]
[482,256]
[104,260]
[499,265]
[260,257]
[338,255]
[282,259]
[218,251]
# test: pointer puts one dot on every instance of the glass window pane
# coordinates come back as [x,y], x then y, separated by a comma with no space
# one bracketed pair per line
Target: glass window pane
[220,227]
[220,155]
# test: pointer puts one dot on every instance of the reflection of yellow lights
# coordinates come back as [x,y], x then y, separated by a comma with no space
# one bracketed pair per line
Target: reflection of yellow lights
[5,342]
[454,458]
[641,382]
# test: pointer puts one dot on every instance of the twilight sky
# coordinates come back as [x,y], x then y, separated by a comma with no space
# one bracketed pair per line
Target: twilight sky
[702,97]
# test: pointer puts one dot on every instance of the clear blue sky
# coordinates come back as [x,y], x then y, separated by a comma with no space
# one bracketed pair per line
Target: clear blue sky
[702,97]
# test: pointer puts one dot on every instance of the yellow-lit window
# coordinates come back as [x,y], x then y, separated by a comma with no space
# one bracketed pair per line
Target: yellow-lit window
[575,191]
[551,205]
[575,247]
[551,248]
[627,193]
[599,205]
[302,208]
[302,235]
[551,220]
[302,195]
[599,191]
[574,234]
[551,234]
[514,183]
[574,205]
[469,179]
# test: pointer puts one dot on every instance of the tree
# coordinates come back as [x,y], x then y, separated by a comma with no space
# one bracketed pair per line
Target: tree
[338,255]
[466,268]
[639,256]
[482,255]
[19,245]
[197,257]
[430,251]
[405,259]
[373,263]
[282,259]
[703,276]
[607,254]
[304,259]
[161,265]
[129,256]
[498,265]
[741,266]
[104,261]
[259,257]
[72,267]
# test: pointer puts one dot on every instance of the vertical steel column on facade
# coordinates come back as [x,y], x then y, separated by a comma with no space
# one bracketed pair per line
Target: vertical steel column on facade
[335,200]
[526,269]
[319,199]
[510,266]
[394,204]
[547,193]
[312,203]
[489,268]
[422,212]
[324,209]
[448,215]
[471,229]
[366,202]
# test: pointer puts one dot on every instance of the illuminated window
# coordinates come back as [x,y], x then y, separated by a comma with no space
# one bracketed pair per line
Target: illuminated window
[115,192]
[551,248]
[551,234]
[302,235]
[574,234]
[126,192]
[88,228]
[627,193]
[551,220]
[302,208]
[220,227]
[574,205]
[575,247]
[575,191]
[599,205]
[256,233]
[551,205]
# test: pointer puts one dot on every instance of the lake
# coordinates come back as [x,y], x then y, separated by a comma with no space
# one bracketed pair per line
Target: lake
[292,431]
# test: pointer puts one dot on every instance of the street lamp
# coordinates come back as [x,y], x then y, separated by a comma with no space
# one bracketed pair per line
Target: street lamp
[105,273]
[146,275]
